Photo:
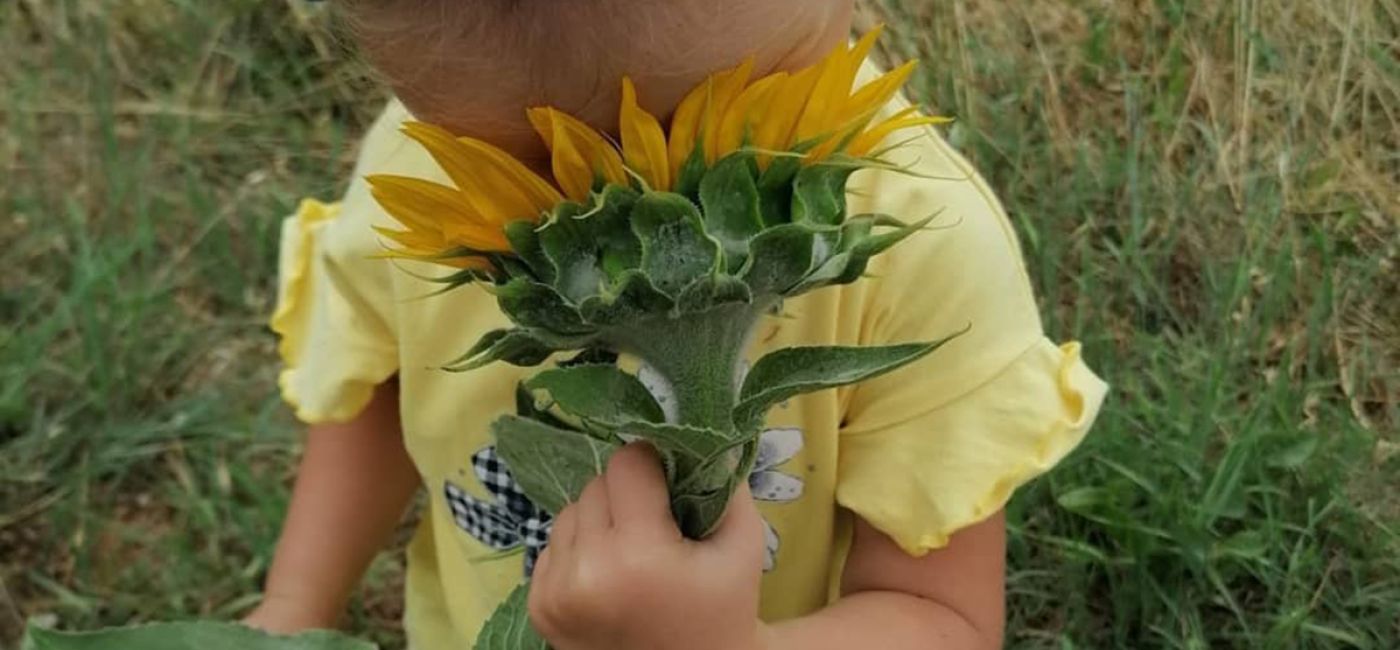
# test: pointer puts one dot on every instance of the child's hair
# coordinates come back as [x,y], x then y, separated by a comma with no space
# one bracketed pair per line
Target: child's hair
[451,58]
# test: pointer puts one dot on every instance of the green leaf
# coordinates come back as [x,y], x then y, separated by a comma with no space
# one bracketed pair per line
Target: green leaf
[635,299]
[834,267]
[697,514]
[691,171]
[712,290]
[793,371]
[526,244]
[574,252]
[729,197]
[873,245]
[819,194]
[514,346]
[854,250]
[590,356]
[509,627]
[525,407]
[602,394]
[552,465]
[537,306]
[782,257]
[781,168]
[774,202]
[698,511]
[698,443]
[610,228]
[193,635]
[675,248]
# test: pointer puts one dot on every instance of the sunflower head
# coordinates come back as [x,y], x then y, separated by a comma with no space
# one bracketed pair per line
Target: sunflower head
[741,201]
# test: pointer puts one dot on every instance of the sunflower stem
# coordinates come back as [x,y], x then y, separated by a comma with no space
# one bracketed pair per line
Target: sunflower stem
[700,355]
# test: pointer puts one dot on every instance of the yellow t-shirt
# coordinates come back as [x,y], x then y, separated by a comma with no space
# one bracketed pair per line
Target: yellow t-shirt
[919,453]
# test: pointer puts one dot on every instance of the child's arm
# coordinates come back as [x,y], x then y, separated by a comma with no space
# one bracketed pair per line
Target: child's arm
[950,598]
[354,482]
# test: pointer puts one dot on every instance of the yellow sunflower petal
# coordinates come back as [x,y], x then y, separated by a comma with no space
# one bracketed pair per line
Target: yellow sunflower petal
[444,149]
[727,87]
[821,115]
[743,112]
[420,204]
[685,125]
[580,155]
[863,143]
[436,257]
[415,242]
[875,94]
[429,209]
[499,187]
[773,130]
[643,141]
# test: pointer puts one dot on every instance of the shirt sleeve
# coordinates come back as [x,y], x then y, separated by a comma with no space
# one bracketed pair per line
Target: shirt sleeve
[942,443]
[334,310]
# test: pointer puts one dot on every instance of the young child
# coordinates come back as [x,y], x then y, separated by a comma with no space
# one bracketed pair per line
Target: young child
[873,516]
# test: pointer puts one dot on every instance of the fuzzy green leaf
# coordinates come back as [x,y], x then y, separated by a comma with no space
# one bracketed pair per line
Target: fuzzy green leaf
[514,346]
[872,245]
[699,444]
[611,229]
[819,194]
[552,465]
[574,252]
[843,265]
[675,248]
[697,514]
[698,504]
[602,394]
[525,407]
[780,171]
[635,299]
[793,371]
[534,305]
[833,268]
[526,244]
[729,196]
[865,247]
[775,190]
[509,627]
[712,290]
[782,257]
[691,171]
[193,635]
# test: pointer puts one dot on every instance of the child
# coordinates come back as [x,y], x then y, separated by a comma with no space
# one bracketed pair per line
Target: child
[873,516]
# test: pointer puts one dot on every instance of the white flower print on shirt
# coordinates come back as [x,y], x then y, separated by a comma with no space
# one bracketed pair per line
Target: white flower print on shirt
[775,447]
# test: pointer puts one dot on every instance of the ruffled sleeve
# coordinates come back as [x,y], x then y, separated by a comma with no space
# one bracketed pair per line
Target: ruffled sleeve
[336,303]
[943,443]
[335,345]
[921,480]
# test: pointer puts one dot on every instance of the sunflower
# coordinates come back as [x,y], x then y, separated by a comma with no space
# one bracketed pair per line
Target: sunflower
[785,121]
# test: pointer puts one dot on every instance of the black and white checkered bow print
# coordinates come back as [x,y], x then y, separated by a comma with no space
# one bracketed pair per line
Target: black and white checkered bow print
[510,521]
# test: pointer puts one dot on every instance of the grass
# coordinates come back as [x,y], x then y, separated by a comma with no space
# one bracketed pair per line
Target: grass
[1205,192]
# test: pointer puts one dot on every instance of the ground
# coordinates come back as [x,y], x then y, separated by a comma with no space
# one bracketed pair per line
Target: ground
[1205,192]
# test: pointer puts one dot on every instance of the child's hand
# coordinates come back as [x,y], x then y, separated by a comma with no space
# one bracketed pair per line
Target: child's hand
[618,575]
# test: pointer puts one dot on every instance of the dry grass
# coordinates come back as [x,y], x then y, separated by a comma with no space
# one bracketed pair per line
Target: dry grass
[1205,191]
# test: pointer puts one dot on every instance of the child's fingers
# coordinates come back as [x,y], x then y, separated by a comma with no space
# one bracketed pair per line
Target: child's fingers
[594,512]
[637,491]
[740,532]
[563,532]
